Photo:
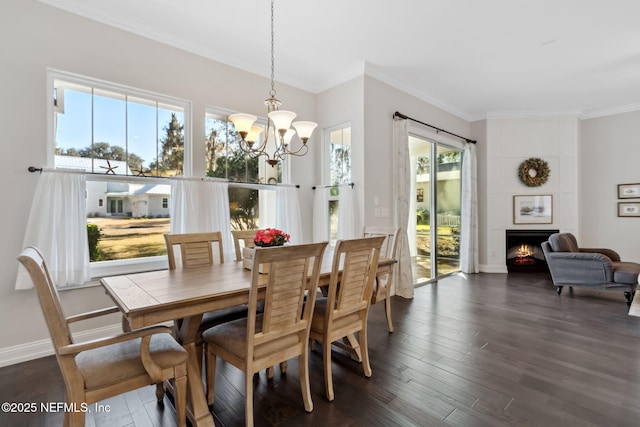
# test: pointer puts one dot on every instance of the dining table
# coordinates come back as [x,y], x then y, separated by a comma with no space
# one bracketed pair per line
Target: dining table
[159,296]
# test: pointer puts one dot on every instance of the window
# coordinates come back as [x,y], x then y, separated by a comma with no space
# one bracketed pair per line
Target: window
[116,133]
[250,206]
[339,170]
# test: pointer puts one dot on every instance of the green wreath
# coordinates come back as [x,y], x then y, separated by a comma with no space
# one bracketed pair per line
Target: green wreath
[534,172]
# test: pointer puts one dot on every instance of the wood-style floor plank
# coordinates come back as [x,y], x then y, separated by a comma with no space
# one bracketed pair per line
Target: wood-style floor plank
[470,350]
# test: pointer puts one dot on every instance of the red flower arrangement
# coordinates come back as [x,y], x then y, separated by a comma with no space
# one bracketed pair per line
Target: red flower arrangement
[270,237]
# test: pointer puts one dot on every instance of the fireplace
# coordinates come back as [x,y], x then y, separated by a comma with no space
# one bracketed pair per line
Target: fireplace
[524,250]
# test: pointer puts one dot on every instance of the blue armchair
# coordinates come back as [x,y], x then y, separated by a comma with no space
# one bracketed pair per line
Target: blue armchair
[594,268]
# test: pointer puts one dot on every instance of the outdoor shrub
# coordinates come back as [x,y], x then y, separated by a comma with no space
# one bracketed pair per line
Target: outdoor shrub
[422,216]
[94,234]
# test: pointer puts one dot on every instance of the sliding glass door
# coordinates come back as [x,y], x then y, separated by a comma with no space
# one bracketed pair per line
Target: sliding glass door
[434,234]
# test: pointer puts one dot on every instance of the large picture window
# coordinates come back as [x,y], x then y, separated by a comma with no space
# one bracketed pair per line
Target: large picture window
[116,133]
[339,171]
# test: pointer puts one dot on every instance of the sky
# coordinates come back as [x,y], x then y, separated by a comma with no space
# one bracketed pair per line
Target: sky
[135,125]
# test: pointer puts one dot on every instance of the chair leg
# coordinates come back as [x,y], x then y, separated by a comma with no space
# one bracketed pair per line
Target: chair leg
[283,367]
[303,364]
[160,393]
[211,376]
[364,348]
[180,397]
[387,306]
[559,289]
[628,297]
[248,404]
[328,379]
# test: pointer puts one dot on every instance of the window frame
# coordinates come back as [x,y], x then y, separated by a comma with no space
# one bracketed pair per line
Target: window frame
[132,265]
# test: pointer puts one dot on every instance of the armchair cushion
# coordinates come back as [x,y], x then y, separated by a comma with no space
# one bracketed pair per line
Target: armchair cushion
[626,272]
[118,362]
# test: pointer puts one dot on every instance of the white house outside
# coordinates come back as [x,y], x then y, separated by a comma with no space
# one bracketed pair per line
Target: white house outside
[112,198]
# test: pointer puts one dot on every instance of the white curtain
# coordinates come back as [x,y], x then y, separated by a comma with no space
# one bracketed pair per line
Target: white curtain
[202,205]
[57,226]
[321,214]
[288,217]
[347,227]
[469,212]
[403,192]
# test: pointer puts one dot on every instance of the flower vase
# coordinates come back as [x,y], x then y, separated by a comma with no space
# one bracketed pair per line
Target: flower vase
[247,261]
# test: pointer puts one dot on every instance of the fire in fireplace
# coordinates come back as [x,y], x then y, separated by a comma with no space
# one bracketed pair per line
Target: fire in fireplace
[524,250]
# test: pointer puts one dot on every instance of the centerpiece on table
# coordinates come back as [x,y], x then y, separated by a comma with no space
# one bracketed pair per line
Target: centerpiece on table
[268,237]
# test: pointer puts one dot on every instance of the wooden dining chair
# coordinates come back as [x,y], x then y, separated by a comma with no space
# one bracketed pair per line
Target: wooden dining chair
[384,277]
[244,236]
[279,333]
[345,309]
[197,250]
[106,367]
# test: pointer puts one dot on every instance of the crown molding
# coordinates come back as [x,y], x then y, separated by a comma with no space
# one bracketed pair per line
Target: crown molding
[592,114]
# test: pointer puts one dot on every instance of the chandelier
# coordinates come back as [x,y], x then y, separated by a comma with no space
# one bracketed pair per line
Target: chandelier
[278,126]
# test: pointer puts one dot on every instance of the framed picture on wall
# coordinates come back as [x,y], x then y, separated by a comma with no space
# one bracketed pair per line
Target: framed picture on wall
[628,191]
[533,209]
[628,208]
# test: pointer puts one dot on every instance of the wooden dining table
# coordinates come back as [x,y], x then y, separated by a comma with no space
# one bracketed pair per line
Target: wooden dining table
[166,295]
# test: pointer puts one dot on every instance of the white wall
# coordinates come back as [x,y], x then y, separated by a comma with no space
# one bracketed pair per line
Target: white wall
[380,102]
[33,37]
[609,155]
[508,143]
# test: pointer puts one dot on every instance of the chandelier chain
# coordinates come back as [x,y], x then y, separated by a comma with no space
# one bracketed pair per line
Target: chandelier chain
[272,93]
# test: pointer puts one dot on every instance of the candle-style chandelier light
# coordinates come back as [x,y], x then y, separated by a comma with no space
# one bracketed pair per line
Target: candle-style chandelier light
[278,125]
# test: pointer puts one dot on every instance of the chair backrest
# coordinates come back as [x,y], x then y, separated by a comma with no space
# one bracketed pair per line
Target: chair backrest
[293,273]
[196,249]
[563,242]
[358,261]
[244,236]
[33,261]
[390,244]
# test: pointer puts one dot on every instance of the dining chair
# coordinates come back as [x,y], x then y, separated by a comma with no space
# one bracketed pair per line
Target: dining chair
[345,309]
[196,250]
[244,236]
[384,277]
[102,368]
[281,331]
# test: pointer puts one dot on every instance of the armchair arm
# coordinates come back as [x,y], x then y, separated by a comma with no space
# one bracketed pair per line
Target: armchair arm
[580,268]
[102,342]
[615,257]
[92,314]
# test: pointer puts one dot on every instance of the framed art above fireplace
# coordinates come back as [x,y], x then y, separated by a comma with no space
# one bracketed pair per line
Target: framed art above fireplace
[533,209]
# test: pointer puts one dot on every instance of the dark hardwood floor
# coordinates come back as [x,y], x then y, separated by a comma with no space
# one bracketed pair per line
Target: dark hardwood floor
[478,350]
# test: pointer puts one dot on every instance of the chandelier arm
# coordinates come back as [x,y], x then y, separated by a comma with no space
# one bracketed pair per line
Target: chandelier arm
[298,152]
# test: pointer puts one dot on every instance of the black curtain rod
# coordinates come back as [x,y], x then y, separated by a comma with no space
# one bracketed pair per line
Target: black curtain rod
[351,184]
[35,169]
[402,116]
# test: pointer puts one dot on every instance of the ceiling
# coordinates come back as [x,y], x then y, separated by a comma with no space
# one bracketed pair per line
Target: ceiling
[473,58]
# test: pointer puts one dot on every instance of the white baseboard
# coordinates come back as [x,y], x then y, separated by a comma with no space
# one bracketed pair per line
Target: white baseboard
[493,268]
[41,348]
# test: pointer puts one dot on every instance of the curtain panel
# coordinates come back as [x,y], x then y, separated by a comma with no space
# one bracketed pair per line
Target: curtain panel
[403,190]
[288,218]
[57,226]
[321,214]
[202,205]
[469,211]
[347,215]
